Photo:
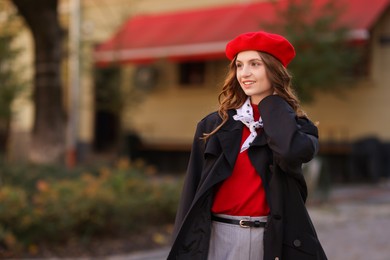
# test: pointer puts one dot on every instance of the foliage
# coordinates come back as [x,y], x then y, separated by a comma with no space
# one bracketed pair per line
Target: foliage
[80,203]
[326,56]
[11,83]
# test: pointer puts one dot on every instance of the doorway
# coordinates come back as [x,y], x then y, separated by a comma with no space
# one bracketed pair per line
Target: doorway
[107,109]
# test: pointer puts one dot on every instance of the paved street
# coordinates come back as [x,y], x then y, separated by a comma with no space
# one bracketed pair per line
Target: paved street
[353,225]
[356,224]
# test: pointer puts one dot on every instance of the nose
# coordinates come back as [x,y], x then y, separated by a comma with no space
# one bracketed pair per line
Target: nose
[245,71]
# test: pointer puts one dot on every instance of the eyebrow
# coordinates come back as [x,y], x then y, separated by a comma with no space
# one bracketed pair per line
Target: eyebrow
[256,59]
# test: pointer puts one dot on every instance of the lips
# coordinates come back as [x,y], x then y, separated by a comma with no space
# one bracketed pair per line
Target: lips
[247,83]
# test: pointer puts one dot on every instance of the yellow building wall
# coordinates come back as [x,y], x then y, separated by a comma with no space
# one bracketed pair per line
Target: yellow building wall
[169,113]
[100,21]
[22,106]
[361,110]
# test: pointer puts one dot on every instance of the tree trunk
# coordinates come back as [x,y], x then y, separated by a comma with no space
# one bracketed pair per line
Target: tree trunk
[4,135]
[48,135]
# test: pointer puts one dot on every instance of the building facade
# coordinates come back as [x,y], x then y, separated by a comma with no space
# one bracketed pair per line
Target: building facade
[156,101]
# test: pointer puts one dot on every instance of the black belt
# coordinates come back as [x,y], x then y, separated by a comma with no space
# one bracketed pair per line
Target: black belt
[242,223]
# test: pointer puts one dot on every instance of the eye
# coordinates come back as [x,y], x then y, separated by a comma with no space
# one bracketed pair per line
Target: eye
[255,63]
[238,65]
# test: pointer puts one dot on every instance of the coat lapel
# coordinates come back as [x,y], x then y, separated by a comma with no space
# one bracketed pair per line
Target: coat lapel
[230,138]
[260,139]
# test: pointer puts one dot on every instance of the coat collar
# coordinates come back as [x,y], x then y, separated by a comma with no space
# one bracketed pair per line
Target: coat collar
[230,136]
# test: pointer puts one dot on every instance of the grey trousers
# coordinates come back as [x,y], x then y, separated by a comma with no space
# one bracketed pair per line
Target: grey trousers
[232,242]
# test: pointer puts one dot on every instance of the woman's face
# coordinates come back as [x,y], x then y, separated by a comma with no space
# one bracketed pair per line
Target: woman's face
[252,76]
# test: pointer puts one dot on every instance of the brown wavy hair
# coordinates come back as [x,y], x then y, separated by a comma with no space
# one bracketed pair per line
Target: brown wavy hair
[233,97]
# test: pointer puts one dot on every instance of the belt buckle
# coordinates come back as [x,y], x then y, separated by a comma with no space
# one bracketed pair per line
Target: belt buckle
[242,224]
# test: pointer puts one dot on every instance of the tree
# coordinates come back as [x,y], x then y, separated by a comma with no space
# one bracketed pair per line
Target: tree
[48,135]
[325,56]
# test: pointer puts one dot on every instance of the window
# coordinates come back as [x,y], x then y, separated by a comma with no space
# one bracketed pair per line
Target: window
[191,73]
[361,67]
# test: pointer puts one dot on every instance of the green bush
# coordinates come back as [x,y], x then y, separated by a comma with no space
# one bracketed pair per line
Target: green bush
[39,204]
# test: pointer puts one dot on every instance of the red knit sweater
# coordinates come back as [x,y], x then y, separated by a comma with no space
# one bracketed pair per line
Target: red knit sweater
[242,194]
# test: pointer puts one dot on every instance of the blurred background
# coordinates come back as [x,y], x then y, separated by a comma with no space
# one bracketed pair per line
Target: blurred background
[99,101]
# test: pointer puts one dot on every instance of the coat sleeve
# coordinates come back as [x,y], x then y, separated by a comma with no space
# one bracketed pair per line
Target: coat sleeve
[192,177]
[293,140]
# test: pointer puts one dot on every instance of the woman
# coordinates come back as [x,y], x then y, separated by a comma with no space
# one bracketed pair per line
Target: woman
[244,192]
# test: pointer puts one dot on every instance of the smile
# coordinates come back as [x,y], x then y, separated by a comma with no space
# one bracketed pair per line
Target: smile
[248,82]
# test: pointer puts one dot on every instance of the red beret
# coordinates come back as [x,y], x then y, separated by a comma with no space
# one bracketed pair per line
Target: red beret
[273,44]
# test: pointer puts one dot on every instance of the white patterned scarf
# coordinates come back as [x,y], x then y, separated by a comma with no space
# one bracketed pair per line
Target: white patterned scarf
[245,115]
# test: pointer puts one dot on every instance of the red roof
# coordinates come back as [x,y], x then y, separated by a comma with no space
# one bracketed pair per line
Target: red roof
[203,33]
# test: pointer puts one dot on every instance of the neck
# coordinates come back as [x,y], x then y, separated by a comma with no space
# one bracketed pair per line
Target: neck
[256,113]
